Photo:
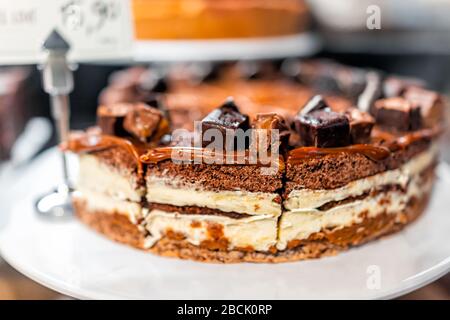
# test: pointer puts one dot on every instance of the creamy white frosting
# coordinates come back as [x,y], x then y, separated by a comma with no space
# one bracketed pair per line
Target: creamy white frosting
[96,201]
[259,232]
[171,191]
[101,178]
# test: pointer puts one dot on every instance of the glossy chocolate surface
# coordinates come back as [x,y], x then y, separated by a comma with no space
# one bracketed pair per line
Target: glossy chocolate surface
[226,121]
[323,129]
[398,114]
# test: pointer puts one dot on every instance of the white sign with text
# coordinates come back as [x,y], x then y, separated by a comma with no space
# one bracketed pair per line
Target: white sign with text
[95,29]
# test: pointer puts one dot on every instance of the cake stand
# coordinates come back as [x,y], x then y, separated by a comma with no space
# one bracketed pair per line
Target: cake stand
[299,45]
[70,258]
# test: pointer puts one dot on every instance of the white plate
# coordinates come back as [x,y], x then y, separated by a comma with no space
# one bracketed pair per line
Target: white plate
[70,258]
[299,45]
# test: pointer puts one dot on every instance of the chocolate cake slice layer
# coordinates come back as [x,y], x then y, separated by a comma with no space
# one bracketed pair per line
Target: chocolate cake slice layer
[307,212]
[229,188]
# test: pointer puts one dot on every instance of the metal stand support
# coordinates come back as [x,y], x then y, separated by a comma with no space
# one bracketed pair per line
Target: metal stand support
[58,83]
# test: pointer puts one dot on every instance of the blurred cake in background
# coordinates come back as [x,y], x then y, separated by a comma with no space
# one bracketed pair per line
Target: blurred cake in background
[12,110]
[259,87]
[217,19]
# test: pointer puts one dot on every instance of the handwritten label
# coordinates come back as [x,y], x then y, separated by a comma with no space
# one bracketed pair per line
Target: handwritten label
[96,29]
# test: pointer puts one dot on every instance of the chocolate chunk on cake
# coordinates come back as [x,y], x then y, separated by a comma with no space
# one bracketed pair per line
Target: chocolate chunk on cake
[318,126]
[265,125]
[361,124]
[139,120]
[227,123]
[398,114]
[431,104]
[146,123]
[332,175]
[110,118]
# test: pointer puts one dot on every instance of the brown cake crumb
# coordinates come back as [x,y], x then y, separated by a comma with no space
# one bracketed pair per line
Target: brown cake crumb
[336,170]
[196,224]
[219,177]
[193,210]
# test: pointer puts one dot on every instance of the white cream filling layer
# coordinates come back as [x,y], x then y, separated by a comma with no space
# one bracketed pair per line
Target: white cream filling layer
[307,199]
[96,201]
[168,191]
[100,178]
[259,232]
[300,224]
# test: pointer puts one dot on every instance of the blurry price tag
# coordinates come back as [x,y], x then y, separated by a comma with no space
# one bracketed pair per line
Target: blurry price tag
[95,29]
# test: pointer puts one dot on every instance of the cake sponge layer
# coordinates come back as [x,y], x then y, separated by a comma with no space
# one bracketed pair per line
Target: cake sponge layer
[304,199]
[214,177]
[256,233]
[337,170]
[299,224]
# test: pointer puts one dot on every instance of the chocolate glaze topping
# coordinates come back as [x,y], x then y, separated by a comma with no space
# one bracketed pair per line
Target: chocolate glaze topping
[91,142]
[155,155]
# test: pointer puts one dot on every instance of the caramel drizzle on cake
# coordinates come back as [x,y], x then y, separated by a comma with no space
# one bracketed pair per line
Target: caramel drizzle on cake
[191,154]
[90,142]
[372,151]
[375,153]
[424,134]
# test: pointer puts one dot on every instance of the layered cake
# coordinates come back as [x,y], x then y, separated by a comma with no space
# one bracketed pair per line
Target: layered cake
[217,19]
[347,156]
